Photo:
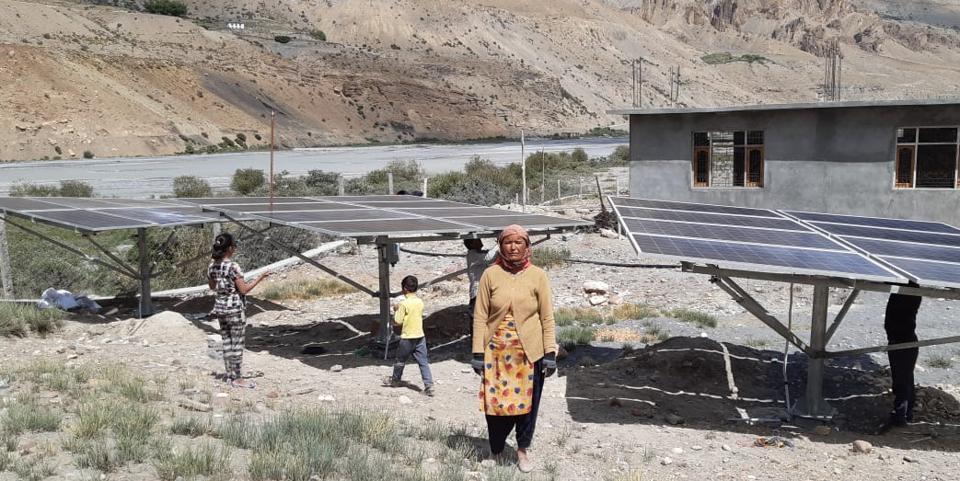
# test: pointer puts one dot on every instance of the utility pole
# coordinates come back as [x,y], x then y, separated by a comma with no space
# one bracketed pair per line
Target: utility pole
[523,170]
[273,122]
[543,177]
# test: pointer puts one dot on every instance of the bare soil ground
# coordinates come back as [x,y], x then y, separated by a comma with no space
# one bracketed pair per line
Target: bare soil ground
[666,410]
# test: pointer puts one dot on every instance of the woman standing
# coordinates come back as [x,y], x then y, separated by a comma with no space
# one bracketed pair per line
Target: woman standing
[514,343]
[225,278]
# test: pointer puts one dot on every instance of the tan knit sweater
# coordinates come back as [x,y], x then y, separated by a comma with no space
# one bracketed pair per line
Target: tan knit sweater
[528,292]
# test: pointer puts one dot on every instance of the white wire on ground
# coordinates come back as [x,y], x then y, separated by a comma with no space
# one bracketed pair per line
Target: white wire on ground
[786,351]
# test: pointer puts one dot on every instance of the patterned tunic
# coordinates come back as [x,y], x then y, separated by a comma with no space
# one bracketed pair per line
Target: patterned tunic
[507,388]
[224,273]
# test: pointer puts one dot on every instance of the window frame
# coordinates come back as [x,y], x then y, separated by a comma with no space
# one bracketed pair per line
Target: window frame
[915,148]
[747,148]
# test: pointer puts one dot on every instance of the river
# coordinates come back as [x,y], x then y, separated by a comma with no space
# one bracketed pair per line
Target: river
[141,177]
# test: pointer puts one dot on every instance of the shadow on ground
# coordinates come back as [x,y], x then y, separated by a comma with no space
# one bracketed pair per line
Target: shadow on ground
[686,380]
[349,341]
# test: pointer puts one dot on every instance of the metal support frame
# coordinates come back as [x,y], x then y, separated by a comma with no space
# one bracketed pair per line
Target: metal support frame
[383,264]
[146,301]
[120,263]
[302,257]
[813,403]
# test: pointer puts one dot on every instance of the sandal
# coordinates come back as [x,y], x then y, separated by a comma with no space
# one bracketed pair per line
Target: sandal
[243,384]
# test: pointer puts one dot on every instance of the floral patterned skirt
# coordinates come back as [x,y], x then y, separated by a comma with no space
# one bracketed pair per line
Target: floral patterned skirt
[507,388]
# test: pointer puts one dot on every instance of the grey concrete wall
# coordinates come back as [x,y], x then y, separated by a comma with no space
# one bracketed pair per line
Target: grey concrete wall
[838,160]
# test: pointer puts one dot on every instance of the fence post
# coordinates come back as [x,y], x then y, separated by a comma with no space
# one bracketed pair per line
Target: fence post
[425,187]
[559,197]
[340,186]
[390,190]
[6,277]
[580,184]
[617,193]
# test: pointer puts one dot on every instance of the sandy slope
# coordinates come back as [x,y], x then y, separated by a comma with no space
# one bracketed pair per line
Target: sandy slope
[112,81]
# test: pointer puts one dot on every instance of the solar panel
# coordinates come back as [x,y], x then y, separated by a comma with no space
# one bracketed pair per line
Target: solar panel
[246,200]
[803,260]
[925,252]
[709,218]
[98,215]
[929,272]
[905,249]
[375,216]
[90,220]
[334,215]
[808,239]
[876,222]
[919,237]
[15,204]
[364,228]
[726,236]
[688,206]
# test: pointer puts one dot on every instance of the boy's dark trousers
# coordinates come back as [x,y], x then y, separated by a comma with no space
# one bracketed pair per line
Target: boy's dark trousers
[418,349]
[900,322]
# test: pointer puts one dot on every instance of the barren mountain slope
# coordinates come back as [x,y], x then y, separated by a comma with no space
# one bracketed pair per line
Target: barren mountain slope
[116,82]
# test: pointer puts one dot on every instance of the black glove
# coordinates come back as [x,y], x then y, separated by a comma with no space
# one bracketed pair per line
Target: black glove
[549,364]
[477,364]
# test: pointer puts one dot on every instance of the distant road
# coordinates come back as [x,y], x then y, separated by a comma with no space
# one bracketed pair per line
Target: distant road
[148,176]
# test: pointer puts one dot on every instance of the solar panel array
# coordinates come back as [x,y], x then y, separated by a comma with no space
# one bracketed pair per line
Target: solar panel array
[928,253]
[738,237]
[98,215]
[378,215]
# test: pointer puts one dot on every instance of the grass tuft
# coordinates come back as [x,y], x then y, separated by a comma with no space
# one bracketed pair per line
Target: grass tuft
[583,316]
[33,468]
[190,426]
[17,320]
[939,361]
[701,319]
[572,336]
[26,415]
[628,312]
[95,454]
[206,459]
[756,343]
[306,290]
[547,257]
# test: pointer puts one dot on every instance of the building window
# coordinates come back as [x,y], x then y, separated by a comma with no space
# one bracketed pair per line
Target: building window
[728,158]
[927,157]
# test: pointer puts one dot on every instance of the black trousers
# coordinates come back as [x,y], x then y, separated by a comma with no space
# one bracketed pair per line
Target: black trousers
[499,427]
[900,322]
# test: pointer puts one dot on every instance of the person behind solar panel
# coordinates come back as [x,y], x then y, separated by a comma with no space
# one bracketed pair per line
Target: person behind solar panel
[900,323]
[413,342]
[478,259]
[225,278]
[514,343]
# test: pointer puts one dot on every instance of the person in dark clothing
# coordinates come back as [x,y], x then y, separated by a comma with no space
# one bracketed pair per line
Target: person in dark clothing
[900,323]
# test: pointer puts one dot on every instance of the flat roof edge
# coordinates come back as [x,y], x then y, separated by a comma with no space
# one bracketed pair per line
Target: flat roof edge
[793,106]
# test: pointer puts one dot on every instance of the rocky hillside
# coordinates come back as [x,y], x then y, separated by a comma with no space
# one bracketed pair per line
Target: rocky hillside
[114,81]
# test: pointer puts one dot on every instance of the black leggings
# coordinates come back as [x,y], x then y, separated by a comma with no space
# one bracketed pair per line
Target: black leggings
[499,427]
[900,322]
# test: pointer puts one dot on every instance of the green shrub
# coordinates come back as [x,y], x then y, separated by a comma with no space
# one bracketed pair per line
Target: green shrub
[547,257]
[173,8]
[75,188]
[192,462]
[725,57]
[241,139]
[26,415]
[19,319]
[282,39]
[572,336]
[246,181]
[34,190]
[58,150]
[227,143]
[190,186]
[318,34]
[87,154]
[701,319]
[584,316]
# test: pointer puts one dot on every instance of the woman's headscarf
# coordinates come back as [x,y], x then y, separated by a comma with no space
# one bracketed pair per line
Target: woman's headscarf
[513,267]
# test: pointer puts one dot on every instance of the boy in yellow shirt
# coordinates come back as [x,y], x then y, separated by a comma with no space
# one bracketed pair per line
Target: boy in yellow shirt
[413,342]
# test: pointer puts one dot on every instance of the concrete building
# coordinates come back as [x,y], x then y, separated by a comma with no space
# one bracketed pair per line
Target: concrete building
[888,159]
